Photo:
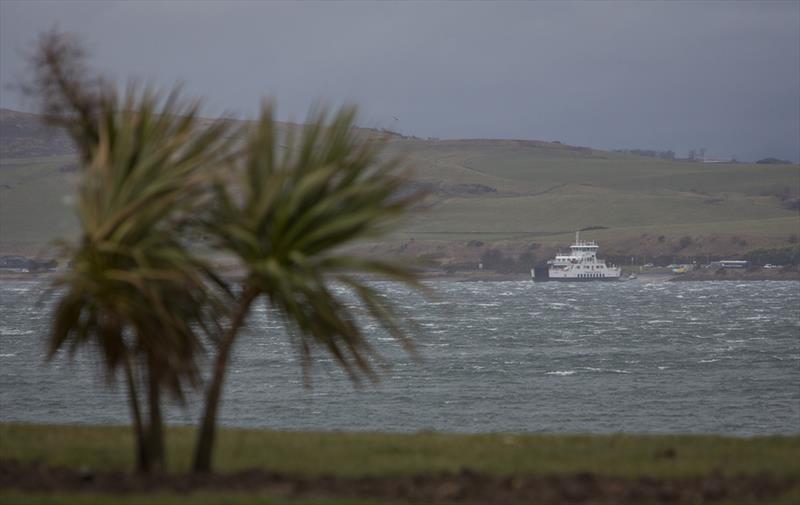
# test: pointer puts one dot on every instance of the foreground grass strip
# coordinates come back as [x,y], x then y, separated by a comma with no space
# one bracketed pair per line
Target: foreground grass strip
[463,487]
[379,454]
[17,498]
[233,499]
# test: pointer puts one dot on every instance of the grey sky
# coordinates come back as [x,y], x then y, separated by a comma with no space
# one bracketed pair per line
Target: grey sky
[672,75]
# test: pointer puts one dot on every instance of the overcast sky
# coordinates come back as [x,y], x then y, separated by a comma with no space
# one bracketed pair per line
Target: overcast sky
[673,75]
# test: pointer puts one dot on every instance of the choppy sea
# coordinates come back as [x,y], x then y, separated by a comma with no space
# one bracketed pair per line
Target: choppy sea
[638,356]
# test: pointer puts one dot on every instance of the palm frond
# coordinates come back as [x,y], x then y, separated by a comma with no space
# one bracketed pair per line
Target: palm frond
[295,212]
[148,162]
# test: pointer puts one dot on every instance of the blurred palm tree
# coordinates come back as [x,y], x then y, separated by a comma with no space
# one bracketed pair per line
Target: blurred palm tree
[287,220]
[138,295]
[134,292]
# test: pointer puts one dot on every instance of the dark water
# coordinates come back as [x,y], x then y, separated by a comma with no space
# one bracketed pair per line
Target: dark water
[710,357]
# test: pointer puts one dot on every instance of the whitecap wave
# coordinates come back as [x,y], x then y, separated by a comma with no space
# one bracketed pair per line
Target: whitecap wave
[605,370]
[5,330]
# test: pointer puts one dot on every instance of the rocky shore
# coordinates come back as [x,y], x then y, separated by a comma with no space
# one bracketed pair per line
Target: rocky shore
[727,274]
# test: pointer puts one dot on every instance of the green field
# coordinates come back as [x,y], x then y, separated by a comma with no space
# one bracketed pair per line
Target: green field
[380,454]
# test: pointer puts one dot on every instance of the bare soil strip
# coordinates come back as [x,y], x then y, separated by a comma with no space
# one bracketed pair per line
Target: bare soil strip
[463,487]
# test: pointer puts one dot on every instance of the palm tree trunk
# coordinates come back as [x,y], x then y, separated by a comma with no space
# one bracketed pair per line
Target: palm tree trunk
[142,461]
[205,436]
[155,432]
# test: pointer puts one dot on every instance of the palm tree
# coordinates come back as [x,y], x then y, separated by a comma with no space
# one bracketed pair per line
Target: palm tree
[286,222]
[134,290]
[144,300]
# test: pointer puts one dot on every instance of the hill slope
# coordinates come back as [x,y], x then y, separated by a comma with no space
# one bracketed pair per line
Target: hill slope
[514,194]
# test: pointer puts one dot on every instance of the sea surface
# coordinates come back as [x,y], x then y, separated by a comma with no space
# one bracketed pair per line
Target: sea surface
[637,356]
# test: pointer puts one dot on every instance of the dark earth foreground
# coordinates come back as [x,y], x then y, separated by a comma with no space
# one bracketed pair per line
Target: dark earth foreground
[463,487]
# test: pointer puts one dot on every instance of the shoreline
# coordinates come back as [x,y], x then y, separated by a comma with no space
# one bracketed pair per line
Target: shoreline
[760,274]
[696,275]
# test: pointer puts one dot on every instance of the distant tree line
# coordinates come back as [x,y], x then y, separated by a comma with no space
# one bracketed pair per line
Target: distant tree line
[692,155]
[496,261]
[778,256]
[773,161]
[650,153]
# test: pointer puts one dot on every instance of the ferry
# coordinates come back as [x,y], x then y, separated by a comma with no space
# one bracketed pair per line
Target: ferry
[581,264]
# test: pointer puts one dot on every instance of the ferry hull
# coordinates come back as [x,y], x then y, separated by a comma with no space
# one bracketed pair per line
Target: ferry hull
[588,279]
[542,274]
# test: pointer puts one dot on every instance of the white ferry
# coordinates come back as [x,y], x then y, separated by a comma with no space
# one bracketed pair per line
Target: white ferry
[581,264]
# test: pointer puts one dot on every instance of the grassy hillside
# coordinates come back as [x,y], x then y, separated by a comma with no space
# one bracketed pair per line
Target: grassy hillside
[36,201]
[502,192]
[533,189]
[23,135]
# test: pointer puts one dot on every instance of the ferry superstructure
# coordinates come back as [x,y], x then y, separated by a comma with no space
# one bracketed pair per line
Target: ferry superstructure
[580,264]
